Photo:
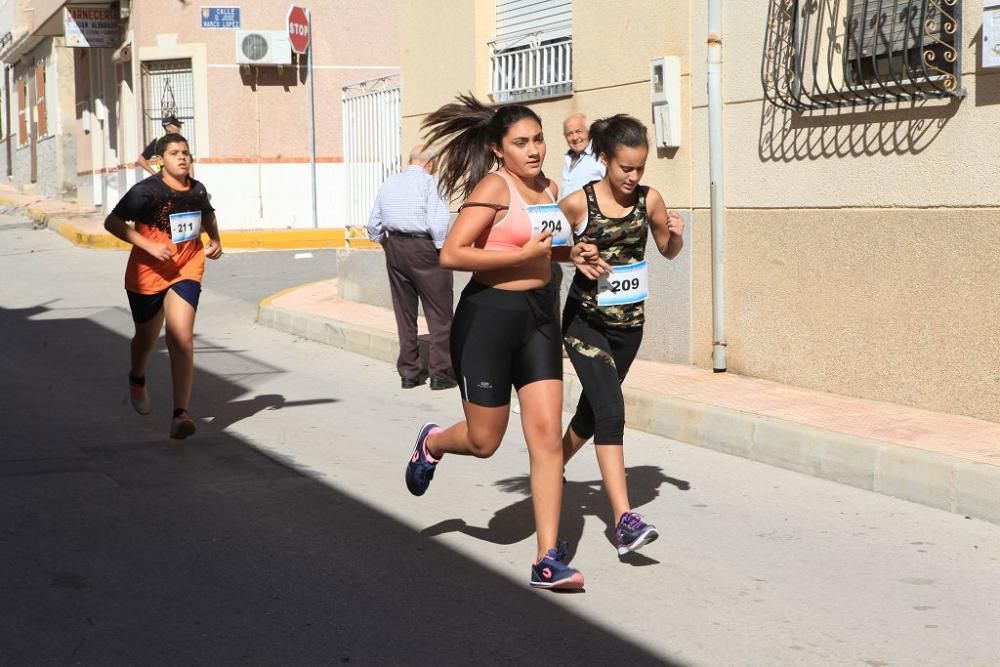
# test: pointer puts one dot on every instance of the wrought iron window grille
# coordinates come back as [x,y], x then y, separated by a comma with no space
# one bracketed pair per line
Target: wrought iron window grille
[531,68]
[822,54]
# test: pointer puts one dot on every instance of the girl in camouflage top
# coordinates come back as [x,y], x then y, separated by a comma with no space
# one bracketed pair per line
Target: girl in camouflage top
[603,317]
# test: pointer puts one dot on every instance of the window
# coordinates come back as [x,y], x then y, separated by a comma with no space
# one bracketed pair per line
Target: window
[829,53]
[41,116]
[22,112]
[532,55]
[168,90]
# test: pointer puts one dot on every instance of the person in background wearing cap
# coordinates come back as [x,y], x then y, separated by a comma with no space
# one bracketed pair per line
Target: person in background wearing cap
[171,125]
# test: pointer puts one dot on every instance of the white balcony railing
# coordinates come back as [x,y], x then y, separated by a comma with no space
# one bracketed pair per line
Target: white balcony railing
[532,72]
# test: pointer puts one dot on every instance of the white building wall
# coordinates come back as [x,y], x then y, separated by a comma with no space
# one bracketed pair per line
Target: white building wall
[278,198]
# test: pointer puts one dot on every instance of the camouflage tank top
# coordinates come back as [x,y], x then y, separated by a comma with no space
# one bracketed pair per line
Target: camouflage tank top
[620,241]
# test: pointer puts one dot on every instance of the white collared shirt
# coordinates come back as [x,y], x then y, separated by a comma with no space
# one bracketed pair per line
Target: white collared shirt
[409,202]
[574,176]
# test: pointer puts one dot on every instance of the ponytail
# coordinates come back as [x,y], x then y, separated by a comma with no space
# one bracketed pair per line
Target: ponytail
[469,130]
[607,134]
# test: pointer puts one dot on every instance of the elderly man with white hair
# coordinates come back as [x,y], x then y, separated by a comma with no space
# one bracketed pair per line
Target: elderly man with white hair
[581,166]
[410,220]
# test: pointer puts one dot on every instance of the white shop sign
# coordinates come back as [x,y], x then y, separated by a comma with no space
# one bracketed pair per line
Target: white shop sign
[92,26]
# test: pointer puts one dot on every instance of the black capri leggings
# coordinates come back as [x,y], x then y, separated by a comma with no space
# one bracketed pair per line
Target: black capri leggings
[601,357]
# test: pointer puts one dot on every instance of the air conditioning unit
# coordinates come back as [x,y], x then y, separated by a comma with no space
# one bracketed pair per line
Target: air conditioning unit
[263,47]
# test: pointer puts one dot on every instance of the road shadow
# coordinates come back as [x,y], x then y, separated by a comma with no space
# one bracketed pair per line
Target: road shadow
[118,546]
[515,523]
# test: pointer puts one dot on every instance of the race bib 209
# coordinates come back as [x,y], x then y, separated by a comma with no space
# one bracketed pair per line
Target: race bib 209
[625,284]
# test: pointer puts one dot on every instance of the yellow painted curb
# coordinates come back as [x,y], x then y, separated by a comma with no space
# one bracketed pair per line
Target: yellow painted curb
[268,300]
[363,244]
[96,241]
[281,239]
[284,239]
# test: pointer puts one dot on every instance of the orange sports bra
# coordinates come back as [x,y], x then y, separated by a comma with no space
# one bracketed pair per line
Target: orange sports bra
[514,229]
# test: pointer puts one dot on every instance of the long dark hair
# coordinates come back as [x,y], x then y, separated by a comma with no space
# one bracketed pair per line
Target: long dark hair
[469,130]
[607,134]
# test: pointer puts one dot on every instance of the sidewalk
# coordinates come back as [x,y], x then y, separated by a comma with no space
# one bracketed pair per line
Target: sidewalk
[83,226]
[940,460]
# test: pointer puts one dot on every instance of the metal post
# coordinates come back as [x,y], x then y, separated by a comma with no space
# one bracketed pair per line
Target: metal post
[312,117]
[715,160]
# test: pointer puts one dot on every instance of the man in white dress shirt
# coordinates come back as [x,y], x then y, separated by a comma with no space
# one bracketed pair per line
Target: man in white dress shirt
[410,220]
[581,166]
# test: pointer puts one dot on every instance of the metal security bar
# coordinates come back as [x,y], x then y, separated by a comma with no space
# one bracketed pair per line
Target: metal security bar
[168,90]
[531,72]
[372,134]
[820,54]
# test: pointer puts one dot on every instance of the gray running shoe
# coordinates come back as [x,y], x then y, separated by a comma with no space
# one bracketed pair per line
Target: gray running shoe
[139,399]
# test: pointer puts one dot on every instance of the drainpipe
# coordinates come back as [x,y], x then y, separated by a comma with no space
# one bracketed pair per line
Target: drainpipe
[6,114]
[715,155]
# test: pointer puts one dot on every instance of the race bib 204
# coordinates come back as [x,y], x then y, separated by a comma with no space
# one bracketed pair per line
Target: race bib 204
[185,226]
[550,218]
[625,284]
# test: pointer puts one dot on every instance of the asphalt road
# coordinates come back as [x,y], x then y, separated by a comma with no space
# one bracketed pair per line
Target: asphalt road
[283,534]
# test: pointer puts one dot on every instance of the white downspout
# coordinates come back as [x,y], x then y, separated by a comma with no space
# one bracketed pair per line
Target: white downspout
[715,157]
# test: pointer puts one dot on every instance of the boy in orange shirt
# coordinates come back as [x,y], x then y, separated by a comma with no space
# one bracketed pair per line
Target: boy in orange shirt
[164,271]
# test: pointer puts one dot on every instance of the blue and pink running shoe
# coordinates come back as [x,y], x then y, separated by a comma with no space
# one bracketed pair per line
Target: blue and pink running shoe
[420,469]
[552,573]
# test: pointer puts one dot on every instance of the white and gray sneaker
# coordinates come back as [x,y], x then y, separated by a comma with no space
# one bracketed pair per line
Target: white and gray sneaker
[139,399]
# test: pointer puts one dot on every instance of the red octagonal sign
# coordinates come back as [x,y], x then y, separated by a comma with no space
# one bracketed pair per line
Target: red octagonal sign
[298,28]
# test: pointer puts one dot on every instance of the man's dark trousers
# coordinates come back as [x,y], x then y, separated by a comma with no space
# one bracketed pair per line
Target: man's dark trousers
[412,263]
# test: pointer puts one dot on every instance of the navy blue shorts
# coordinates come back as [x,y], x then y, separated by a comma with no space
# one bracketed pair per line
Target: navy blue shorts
[147,306]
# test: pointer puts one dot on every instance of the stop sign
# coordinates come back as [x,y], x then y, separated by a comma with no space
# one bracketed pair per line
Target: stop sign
[298,28]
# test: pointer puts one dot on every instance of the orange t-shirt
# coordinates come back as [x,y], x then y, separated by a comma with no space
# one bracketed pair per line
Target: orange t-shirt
[162,215]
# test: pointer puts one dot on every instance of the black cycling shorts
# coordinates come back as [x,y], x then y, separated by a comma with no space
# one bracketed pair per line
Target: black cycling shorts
[501,338]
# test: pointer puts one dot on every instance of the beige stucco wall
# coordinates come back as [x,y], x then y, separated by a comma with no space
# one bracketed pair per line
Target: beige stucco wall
[860,246]
[877,303]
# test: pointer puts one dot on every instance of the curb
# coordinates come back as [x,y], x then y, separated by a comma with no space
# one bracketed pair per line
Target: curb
[285,239]
[237,239]
[931,479]
[78,237]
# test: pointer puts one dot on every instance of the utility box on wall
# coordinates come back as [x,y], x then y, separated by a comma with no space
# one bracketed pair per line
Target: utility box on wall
[665,96]
[990,45]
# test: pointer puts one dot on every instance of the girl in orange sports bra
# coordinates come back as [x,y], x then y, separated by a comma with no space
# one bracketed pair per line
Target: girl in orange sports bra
[504,332]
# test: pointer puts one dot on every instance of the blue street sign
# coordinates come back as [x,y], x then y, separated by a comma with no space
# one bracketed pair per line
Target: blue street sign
[220,17]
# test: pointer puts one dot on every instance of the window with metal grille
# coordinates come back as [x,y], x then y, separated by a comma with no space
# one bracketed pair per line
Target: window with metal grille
[168,90]
[830,53]
[532,55]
